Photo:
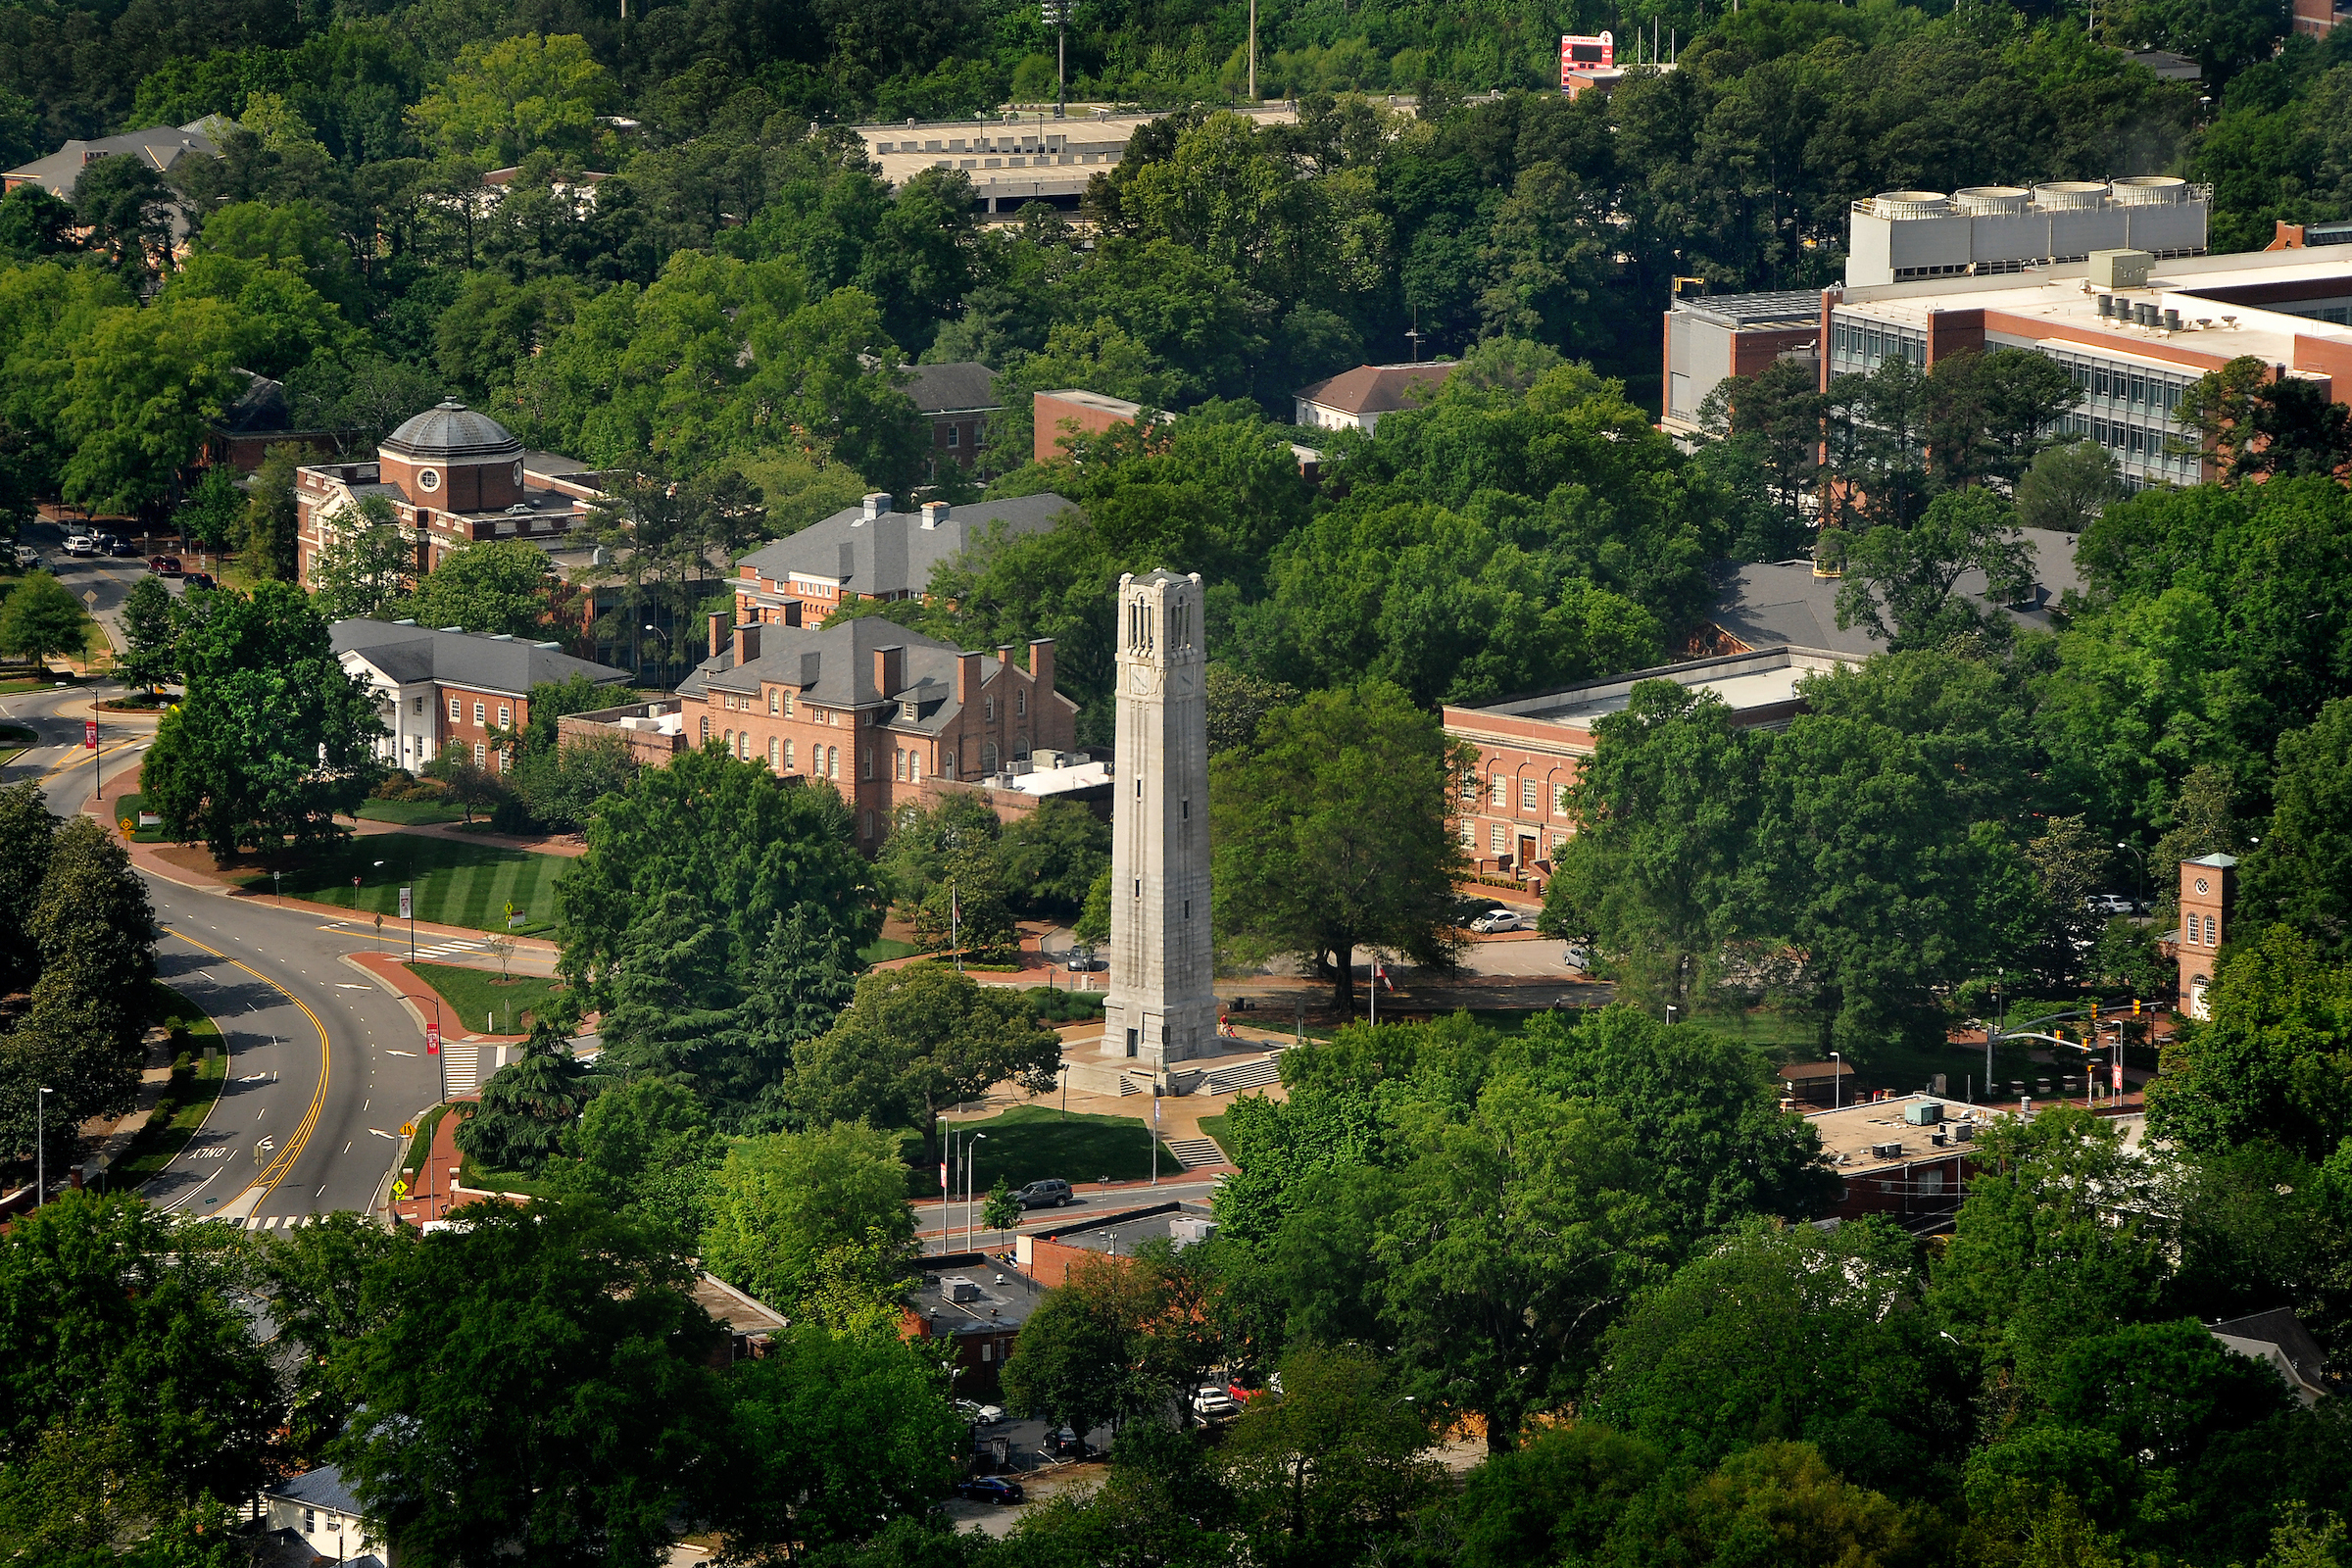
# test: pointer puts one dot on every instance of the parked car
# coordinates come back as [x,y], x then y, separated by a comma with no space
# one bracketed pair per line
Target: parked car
[978,1414]
[118,545]
[1495,921]
[2109,904]
[26,556]
[1084,961]
[990,1489]
[81,544]
[1062,1444]
[163,566]
[1051,1193]
[199,579]
[1212,1404]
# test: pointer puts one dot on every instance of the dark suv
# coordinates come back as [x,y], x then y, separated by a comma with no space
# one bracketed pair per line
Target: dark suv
[1052,1193]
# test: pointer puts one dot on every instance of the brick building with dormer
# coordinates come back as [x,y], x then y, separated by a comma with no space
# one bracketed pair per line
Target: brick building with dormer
[884,714]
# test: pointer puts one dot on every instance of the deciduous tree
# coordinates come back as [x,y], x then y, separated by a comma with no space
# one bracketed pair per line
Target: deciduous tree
[787,1207]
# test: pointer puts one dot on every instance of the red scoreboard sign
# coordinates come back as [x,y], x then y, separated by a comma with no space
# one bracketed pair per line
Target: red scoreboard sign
[1578,55]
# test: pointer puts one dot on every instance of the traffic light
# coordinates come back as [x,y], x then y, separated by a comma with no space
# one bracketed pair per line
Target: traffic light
[2094,1017]
[2135,1007]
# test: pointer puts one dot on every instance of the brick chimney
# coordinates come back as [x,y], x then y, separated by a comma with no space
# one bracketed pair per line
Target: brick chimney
[1041,665]
[717,636]
[968,678]
[890,665]
[747,644]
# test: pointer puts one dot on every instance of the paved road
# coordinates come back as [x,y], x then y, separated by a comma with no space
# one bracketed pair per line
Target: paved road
[324,1064]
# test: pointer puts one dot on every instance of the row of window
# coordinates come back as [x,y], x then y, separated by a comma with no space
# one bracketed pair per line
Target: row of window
[780,706]
[906,764]
[2188,931]
[1871,344]
[506,713]
[2118,384]
[1499,836]
[1531,793]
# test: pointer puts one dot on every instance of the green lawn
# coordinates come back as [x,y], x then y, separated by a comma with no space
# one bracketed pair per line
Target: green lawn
[408,814]
[22,683]
[160,1142]
[13,738]
[1215,1127]
[457,883]
[1030,1142]
[473,993]
[884,948]
[421,1145]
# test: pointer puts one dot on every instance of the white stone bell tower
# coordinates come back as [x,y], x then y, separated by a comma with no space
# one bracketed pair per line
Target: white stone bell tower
[1162,1006]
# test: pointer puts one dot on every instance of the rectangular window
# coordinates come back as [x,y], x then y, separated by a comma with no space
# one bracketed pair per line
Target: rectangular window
[1188,908]
[914,767]
[788,757]
[954,435]
[479,713]
[1496,839]
[506,717]
[1502,793]
[869,824]
[1021,705]
[898,764]
[1469,834]
[479,750]
[455,716]
[1530,795]
[865,763]
[2209,941]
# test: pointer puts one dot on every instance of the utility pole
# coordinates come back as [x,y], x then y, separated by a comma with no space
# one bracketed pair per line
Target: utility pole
[1254,51]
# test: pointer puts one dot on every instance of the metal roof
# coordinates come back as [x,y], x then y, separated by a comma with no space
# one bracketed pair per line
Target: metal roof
[322,1488]
[1794,307]
[451,430]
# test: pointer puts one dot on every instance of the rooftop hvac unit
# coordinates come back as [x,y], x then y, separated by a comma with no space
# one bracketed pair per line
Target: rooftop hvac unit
[2121,269]
[1963,1132]
[1992,201]
[2068,195]
[1923,1113]
[958,1290]
[2148,190]
[1186,1229]
[1910,204]
[1886,1150]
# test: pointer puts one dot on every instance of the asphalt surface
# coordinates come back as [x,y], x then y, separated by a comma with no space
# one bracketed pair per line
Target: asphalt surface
[325,1065]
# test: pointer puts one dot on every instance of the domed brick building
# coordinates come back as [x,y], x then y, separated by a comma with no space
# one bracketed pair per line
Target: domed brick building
[453,476]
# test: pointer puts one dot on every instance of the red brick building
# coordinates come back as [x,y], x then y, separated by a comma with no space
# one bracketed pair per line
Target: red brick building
[2208,890]
[452,477]
[438,689]
[1530,747]
[871,551]
[884,714]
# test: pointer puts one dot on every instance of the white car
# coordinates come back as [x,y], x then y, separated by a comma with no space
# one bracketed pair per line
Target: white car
[1212,1404]
[2108,903]
[1495,921]
[980,1415]
[81,544]
[26,556]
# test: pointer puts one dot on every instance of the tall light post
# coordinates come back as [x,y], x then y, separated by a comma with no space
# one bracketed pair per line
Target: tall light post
[970,1164]
[40,1148]
[1836,1081]
[2141,856]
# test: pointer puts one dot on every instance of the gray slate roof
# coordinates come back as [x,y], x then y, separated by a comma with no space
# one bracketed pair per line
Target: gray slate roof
[322,1488]
[451,430]
[158,146]
[953,388]
[1781,603]
[407,652]
[895,554]
[836,668]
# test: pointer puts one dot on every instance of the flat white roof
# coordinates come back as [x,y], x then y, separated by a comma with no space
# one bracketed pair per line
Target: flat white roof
[1744,681]
[2064,296]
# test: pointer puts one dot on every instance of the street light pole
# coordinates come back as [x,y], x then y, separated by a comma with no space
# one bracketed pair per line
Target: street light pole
[1836,1081]
[969,1167]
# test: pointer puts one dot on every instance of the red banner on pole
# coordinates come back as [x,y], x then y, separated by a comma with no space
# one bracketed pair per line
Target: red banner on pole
[432,1040]
[89,733]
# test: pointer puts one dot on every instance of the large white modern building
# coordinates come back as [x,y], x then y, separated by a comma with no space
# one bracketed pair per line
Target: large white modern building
[1023,156]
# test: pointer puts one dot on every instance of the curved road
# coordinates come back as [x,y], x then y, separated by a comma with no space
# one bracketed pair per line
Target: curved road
[325,1065]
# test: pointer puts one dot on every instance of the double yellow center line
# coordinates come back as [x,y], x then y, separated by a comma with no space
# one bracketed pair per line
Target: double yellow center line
[276,1172]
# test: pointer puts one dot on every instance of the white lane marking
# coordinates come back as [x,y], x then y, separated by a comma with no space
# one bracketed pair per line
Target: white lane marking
[399,1052]
[381,1133]
[342,985]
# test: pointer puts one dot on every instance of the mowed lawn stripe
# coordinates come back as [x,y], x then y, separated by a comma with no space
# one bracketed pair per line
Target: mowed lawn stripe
[457,884]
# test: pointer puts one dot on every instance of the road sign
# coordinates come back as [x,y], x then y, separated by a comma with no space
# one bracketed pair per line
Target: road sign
[89,733]
[400,1188]
[432,1040]
[89,597]
[406,911]
[408,1129]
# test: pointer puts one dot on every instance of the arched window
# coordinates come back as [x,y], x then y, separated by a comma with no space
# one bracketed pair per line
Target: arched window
[988,757]
[946,764]
[775,755]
